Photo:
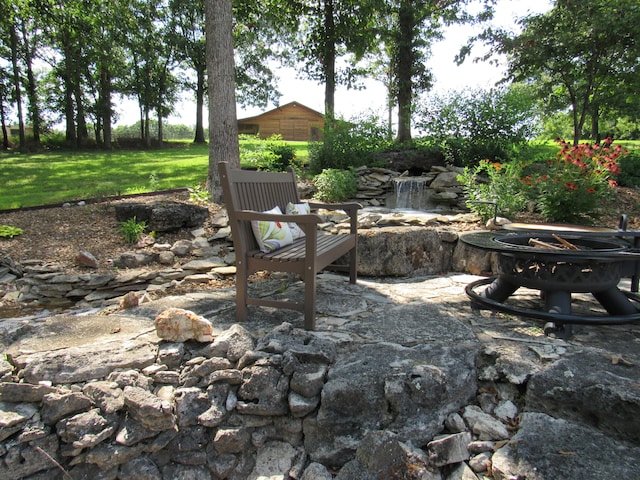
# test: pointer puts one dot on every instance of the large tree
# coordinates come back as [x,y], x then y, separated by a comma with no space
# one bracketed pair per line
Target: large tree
[580,55]
[412,27]
[259,27]
[152,61]
[187,27]
[336,29]
[223,122]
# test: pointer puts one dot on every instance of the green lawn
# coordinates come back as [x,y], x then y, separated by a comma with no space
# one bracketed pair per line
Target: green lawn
[28,180]
[51,178]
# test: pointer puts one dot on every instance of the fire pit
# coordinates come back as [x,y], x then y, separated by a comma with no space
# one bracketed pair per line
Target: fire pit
[557,266]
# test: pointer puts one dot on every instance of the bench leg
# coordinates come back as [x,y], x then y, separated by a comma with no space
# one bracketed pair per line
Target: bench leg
[242,287]
[353,265]
[310,299]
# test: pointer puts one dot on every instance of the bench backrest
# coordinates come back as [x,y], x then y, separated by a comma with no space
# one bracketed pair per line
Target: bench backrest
[254,190]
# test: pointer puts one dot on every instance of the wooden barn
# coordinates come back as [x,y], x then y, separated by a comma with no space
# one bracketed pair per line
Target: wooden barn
[293,121]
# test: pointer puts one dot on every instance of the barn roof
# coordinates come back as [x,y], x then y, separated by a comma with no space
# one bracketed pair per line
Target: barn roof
[282,107]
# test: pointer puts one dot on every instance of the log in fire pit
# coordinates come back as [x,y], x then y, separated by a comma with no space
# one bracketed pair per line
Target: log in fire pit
[557,265]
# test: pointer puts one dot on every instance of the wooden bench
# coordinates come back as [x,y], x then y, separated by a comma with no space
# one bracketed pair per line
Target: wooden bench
[249,193]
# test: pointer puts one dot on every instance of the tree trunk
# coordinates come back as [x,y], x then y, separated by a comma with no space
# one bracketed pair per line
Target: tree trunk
[3,122]
[405,70]
[104,102]
[16,83]
[390,103]
[595,123]
[329,63]
[70,124]
[200,91]
[160,128]
[69,109]
[147,128]
[223,121]
[81,121]
[141,121]
[32,94]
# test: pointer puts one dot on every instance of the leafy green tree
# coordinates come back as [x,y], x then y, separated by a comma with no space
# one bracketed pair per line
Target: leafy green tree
[263,34]
[413,26]
[187,27]
[8,19]
[501,113]
[152,59]
[29,37]
[577,54]
[260,27]
[5,82]
[333,30]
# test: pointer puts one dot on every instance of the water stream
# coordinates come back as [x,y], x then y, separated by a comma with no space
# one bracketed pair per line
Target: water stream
[410,193]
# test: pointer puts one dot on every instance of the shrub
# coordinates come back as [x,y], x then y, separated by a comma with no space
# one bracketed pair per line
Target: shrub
[283,155]
[629,175]
[473,125]
[273,154]
[494,187]
[199,194]
[254,151]
[572,187]
[348,144]
[470,151]
[335,185]
[132,229]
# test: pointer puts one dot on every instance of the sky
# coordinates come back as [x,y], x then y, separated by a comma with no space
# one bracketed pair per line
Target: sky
[372,99]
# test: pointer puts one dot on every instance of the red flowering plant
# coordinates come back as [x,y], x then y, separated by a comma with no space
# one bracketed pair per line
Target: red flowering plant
[575,186]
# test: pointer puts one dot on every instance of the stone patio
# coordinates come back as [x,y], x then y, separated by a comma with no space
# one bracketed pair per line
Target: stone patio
[413,381]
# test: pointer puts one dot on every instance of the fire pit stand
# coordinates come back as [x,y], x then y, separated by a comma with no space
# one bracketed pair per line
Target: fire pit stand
[595,267]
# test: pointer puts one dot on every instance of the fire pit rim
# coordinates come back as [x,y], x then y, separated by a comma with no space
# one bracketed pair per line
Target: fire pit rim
[494,241]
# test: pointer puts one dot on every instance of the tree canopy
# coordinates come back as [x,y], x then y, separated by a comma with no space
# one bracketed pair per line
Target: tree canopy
[71,61]
[581,55]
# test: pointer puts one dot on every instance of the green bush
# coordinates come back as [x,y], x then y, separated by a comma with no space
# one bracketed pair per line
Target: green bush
[494,187]
[284,155]
[629,175]
[9,231]
[348,144]
[272,154]
[572,187]
[475,125]
[336,185]
[470,151]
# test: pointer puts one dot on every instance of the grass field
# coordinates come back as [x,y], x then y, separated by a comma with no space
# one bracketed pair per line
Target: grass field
[54,177]
[49,178]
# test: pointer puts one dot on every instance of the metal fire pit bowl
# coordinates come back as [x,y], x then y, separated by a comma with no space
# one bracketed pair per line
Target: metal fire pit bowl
[596,268]
[584,270]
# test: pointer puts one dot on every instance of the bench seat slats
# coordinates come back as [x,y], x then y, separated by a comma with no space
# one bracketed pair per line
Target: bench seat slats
[296,252]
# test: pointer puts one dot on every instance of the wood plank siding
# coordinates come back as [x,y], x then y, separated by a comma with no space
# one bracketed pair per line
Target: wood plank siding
[294,121]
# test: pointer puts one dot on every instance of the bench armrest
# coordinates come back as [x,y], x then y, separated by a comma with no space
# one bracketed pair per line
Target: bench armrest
[351,209]
[250,215]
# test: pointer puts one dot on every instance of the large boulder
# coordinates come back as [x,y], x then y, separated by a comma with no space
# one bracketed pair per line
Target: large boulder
[414,161]
[547,447]
[404,251]
[591,388]
[409,391]
[163,216]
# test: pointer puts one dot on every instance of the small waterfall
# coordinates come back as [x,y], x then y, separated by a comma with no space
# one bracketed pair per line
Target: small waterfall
[410,193]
